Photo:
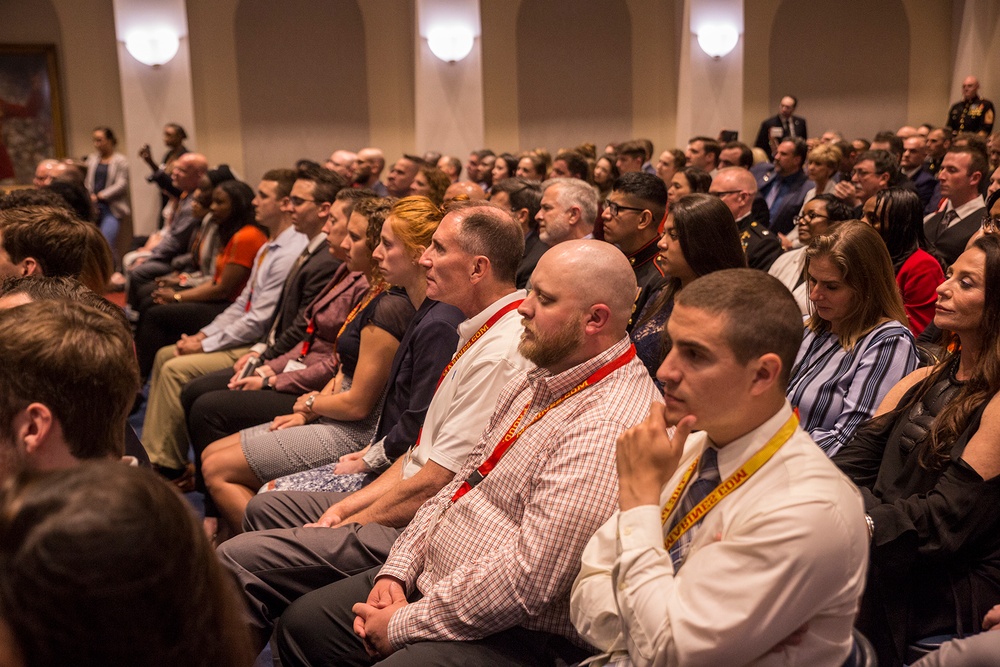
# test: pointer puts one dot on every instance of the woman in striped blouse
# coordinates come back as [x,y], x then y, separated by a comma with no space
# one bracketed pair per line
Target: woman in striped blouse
[856,344]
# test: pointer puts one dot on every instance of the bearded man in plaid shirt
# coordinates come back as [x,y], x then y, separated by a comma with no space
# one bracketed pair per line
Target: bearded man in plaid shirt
[483,572]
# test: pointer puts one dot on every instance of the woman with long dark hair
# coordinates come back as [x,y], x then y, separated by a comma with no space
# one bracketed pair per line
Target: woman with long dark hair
[928,468]
[897,215]
[699,237]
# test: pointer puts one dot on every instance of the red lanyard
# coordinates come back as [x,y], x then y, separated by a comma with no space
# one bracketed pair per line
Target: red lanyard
[513,305]
[372,293]
[465,348]
[513,433]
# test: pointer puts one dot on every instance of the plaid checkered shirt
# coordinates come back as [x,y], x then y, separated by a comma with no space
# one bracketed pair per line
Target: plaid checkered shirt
[507,552]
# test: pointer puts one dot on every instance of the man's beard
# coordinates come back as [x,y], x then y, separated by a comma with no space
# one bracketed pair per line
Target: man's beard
[550,349]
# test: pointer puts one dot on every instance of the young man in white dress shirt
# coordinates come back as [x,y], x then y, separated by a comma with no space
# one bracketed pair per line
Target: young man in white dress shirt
[773,572]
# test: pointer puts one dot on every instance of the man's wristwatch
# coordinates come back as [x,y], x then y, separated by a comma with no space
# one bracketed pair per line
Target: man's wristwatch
[177,297]
[266,382]
[310,401]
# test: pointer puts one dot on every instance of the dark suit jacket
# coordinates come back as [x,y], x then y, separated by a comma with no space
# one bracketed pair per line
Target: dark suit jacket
[924,183]
[764,134]
[761,246]
[950,243]
[533,251]
[782,218]
[426,348]
[299,292]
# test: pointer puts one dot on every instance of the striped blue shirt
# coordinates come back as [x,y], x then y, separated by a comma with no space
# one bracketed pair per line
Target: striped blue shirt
[836,390]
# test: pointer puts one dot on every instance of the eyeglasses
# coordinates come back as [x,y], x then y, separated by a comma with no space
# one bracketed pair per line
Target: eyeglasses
[614,209]
[991,223]
[809,217]
[299,201]
[861,173]
[723,193]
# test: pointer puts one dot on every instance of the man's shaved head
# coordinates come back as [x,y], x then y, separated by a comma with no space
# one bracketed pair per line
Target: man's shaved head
[582,259]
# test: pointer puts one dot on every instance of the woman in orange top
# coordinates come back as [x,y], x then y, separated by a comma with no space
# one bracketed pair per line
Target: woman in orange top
[186,311]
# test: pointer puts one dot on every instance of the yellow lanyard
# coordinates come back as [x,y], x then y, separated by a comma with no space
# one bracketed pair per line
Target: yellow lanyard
[732,483]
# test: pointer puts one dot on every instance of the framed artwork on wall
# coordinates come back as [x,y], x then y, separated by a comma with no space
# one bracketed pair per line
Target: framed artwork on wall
[31,120]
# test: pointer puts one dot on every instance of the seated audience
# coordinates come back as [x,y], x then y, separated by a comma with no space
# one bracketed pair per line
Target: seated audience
[737,188]
[686,181]
[91,561]
[430,182]
[567,211]
[532,167]
[927,467]
[784,188]
[67,381]
[960,175]
[523,198]
[504,167]
[41,241]
[228,337]
[632,217]
[670,162]
[98,261]
[187,173]
[699,237]
[820,216]
[364,524]
[856,345]
[822,163]
[897,215]
[605,174]
[182,312]
[390,359]
[520,523]
[301,357]
[570,164]
[778,564]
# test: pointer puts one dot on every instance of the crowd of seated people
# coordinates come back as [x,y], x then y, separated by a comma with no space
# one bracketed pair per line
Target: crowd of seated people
[662,409]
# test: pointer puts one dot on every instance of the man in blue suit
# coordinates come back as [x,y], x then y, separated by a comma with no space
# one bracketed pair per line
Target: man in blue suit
[784,188]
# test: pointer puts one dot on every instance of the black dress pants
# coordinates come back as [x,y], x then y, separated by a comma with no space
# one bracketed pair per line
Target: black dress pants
[318,629]
[163,325]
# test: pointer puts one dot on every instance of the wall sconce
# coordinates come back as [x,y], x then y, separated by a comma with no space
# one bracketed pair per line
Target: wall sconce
[153,46]
[717,39]
[450,43]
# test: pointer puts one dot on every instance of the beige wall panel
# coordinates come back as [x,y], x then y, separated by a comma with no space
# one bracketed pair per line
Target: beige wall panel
[89,70]
[930,57]
[758,21]
[574,67]
[857,85]
[211,31]
[656,58]
[389,33]
[500,95]
[301,81]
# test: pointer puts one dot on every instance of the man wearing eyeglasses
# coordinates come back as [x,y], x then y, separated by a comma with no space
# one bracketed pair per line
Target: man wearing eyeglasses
[875,170]
[632,216]
[737,187]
